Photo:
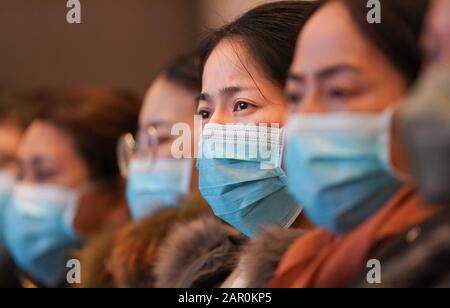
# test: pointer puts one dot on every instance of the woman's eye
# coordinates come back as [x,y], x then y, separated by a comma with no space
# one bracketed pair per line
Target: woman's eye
[240,106]
[339,93]
[164,139]
[43,176]
[294,98]
[204,114]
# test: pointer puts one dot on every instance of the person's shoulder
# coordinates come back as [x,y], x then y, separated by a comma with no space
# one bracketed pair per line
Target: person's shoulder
[419,256]
[197,253]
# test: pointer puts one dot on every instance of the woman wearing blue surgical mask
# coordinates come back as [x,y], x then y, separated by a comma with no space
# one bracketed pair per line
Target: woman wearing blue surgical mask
[244,110]
[418,258]
[158,177]
[344,161]
[161,184]
[69,185]
[17,110]
[11,130]
[239,161]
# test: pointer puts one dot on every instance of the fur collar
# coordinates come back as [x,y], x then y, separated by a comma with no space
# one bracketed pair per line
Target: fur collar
[189,243]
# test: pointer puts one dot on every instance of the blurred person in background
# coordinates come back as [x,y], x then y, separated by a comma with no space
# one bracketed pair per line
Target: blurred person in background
[420,256]
[426,115]
[344,159]
[17,109]
[245,65]
[162,190]
[69,186]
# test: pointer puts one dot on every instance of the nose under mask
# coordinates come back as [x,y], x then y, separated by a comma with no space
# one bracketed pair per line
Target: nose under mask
[241,177]
[339,168]
[39,230]
[157,184]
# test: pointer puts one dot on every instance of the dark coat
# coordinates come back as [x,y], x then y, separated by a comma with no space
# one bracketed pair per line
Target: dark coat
[9,277]
[124,257]
[419,258]
[206,254]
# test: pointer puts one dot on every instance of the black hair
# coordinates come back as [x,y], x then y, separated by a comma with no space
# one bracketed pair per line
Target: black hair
[398,34]
[270,33]
[185,71]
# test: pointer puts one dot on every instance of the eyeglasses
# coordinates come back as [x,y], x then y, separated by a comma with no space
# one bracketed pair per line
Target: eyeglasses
[144,145]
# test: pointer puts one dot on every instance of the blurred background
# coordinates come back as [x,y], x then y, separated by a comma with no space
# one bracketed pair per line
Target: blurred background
[120,43]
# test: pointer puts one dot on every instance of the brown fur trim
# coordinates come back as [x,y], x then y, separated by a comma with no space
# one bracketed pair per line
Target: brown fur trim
[184,246]
[260,258]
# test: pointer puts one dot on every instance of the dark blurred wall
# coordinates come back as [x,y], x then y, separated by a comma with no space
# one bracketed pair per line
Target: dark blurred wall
[121,43]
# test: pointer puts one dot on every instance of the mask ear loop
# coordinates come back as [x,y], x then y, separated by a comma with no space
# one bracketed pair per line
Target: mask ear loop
[153,144]
[391,115]
[126,147]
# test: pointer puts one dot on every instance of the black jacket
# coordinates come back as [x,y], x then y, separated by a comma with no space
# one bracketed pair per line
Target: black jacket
[419,258]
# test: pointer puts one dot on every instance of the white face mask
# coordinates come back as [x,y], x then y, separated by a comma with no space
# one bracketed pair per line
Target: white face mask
[155,184]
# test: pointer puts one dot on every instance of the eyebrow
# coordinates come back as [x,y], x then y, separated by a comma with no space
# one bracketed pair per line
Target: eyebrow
[294,77]
[38,161]
[155,124]
[227,91]
[325,73]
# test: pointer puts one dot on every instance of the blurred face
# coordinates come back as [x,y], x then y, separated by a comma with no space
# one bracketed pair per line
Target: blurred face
[337,69]
[156,177]
[49,156]
[10,135]
[165,104]
[436,37]
[235,89]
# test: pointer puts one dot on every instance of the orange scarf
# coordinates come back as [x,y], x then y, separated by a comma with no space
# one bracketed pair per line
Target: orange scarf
[322,260]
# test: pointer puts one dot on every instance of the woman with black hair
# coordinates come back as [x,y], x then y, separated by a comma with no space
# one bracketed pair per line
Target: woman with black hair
[418,257]
[345,161]
[245,65]
[162,190]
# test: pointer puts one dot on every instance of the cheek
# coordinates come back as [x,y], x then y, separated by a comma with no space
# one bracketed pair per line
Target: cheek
[390,94]
[275,114]
[72,174]
[165,150]
[378,100]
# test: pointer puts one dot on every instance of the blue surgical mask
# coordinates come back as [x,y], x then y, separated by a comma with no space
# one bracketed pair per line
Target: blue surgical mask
[241,177]
[339,167]
[39,230]
[156,184]
[7,181]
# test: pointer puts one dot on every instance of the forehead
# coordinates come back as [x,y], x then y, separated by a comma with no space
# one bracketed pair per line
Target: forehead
[167,102]
[331,37]
[46,139]
[230,64]
[10,135]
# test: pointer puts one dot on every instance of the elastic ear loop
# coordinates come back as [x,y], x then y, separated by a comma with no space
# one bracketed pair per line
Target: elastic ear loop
[391,114]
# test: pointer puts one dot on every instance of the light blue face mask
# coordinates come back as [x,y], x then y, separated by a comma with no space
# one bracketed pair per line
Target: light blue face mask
[339,167]
[7,181]
[39,231]
[155,184]
[241,177]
